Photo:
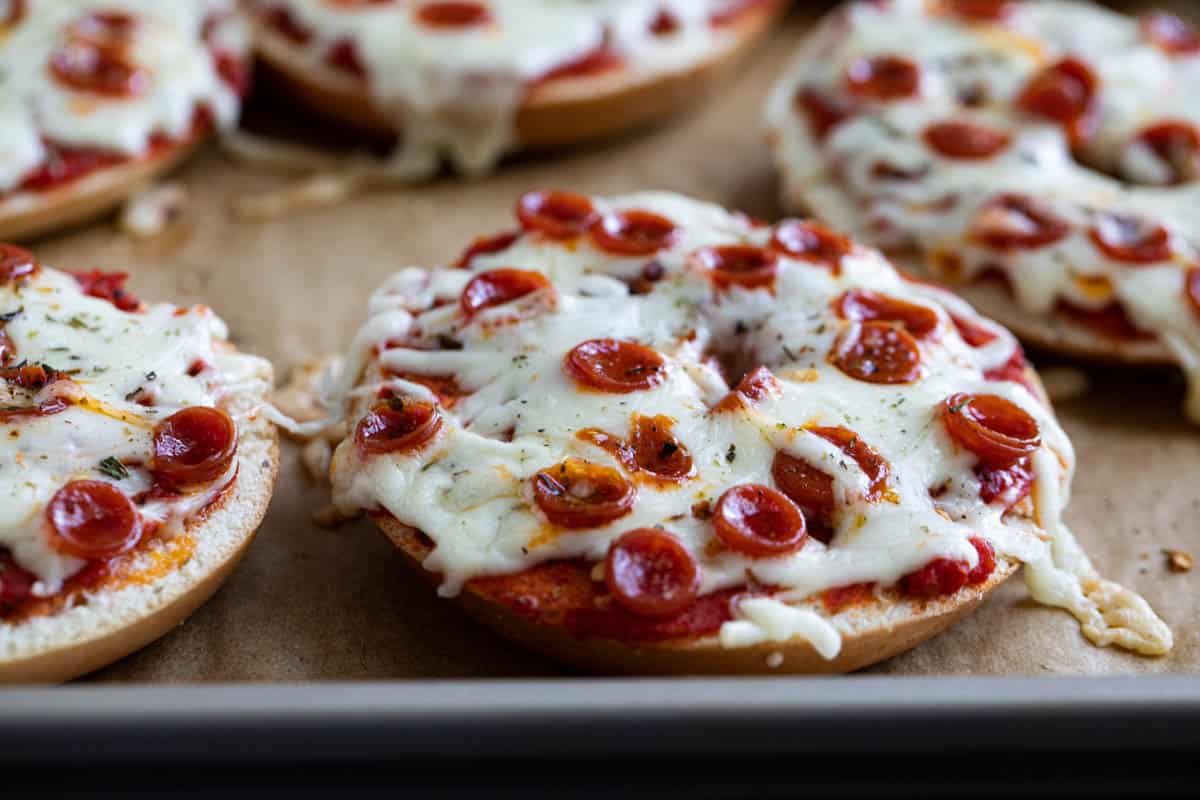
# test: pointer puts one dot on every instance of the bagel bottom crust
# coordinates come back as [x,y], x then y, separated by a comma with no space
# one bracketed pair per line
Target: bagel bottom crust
[560,114]
[24,215]
[114,623]
[872,637]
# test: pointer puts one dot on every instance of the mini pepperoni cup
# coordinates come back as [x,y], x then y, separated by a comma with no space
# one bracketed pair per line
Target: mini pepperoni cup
[651,574]
[944,576]
[614,365]
[883,77]
[741,265]
[1131,240]
[861,305]
[93,520]
[453,15]
[808,241]
[194,446]
[559,215]
[759,522]
[397,426]
[15,263]
[497,287]
[486,246]
[1064,92]
[966,141]
[879,352]
[1170,33]
[578,494]
[657,452]
[633,233]
[1017,222]
[1177,145]
[996,430]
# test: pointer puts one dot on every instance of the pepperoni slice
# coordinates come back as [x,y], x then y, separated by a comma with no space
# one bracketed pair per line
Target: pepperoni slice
[880,353]
[968,141]
[873,465]
[859,305]
[1005,485]
[486,246]
[1176,145]
[108,286]
[28,376]
[397,426]
[759,522]
[578,494]
[943,576]
[444,386]
[454,15]
[598,60]
[613,365]
[657,451]
[1171,34]
[651,574]
[754,387]
[741,265]
[1131,240]
[1017,222]
[883,77]
[808,241]
[1064,93]
[634,233]
[16,12]
[996,430]
[664,23]
[16,584]
[979,10]
[93,520]
[15,263]
[973,333]
[559,215]
[343,55]
[1192,288]
[823,112]
[194,446]
[96,57]
[496,287]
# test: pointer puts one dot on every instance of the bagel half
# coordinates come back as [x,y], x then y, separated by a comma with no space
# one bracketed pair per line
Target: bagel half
[561,113]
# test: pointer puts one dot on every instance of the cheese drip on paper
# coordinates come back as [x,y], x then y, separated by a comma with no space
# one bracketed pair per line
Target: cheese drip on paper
[518,413]
[875,174]
[127,371]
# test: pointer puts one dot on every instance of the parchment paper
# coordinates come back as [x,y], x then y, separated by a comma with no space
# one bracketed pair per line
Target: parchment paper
[310,604]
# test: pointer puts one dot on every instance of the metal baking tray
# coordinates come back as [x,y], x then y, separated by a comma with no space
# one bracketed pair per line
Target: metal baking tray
[262,723]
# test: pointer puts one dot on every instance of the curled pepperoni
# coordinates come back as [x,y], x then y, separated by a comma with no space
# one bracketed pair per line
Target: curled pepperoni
[965,140]
[759,522]
[93,520]
[1017,222]
[1177,146]
[486,246]
[884,77]
[979,10]
[613,365]
[754,387]
[461,14]
[741,265]
[859,305]
[879,353]
[996,430]
[1064,93]
[657,451]
[397,426]
[634,233]
[1131,240]
[15,263]
[808,241]
[496,287]
[823,112]
[1192,288]
[194,446]
[651,574]
[108,286]
[578,494]
[1171,34]
[944,576]
[559,215]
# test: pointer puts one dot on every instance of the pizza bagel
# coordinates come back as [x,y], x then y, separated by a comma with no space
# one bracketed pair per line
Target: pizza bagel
[100,97]
[468,82]
[135,466]
[1040,157]
[647,434]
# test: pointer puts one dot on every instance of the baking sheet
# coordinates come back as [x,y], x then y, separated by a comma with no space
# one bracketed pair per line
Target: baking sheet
[314,604]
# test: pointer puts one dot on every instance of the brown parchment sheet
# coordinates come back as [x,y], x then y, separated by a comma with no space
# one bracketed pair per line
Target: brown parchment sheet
[314,604]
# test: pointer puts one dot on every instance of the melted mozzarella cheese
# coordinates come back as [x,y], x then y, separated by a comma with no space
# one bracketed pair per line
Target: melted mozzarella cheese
[168,43]
[114,359]
[455,92]
[934,212]
[469,489]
